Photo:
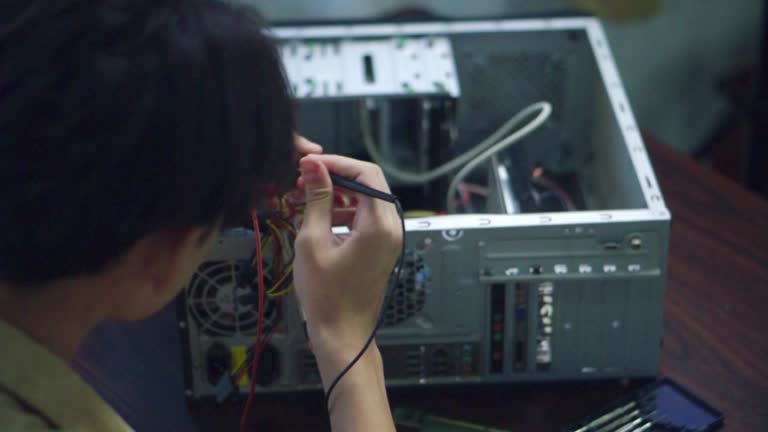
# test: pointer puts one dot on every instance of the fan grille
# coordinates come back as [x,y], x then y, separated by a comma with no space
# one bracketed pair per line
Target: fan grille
[212,296]
[410,294]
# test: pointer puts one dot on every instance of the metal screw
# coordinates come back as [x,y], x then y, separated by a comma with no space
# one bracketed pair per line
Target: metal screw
[183,324]
[188,392]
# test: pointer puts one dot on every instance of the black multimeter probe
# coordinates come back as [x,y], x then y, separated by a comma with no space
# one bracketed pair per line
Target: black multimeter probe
[354,186]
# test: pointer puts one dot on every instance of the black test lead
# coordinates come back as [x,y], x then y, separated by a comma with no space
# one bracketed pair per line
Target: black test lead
[354,186]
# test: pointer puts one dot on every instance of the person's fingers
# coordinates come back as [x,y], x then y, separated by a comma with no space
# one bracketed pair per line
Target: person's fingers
[374,214]
[376,220]
[351,196]
[298,194]
[364,172]
[318,194]
[339,239]
[303,146]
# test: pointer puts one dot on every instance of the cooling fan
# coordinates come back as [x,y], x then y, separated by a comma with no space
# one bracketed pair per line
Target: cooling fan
[410,294]
[213,297]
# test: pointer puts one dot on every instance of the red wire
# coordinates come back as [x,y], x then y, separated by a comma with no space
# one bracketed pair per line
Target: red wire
[271,333]
[259,319]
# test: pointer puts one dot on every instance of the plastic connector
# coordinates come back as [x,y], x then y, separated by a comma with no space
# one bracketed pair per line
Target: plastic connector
[225,389]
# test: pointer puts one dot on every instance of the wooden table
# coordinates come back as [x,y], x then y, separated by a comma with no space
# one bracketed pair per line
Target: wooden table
[716,341]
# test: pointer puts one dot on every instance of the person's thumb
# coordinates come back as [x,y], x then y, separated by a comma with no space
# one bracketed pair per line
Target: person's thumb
[318,192]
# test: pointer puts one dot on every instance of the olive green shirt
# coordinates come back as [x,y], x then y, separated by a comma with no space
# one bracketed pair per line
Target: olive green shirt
[39,392]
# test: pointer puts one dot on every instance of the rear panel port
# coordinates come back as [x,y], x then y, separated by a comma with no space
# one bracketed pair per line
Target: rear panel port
[440,362]
[520,356]
[269,366]
[535,269]
[308,368]
[413,363]
[497,327]
[218,361]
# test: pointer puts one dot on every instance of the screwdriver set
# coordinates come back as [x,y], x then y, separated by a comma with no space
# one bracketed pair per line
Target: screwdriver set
[662,406]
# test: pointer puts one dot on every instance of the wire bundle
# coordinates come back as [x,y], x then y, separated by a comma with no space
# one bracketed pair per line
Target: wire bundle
[259,321]
[280,234]
[280,237]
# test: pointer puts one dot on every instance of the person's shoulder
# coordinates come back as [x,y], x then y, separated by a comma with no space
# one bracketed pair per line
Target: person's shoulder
[15,417]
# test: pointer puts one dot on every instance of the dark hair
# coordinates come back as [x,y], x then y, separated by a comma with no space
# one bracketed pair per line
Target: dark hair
[121,117]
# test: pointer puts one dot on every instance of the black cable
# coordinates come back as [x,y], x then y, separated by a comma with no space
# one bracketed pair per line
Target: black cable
[390,291]
[352,185]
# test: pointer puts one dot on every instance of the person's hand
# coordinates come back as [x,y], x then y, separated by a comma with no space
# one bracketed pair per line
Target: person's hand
[341,281]
[303,146]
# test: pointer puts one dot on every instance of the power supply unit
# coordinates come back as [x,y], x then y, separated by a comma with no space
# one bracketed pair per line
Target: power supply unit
[550,266]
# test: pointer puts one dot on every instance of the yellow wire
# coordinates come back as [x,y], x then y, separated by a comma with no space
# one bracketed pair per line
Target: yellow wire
[272,227]
[281,293]
[277,235]
[282,279]
[285,244]
[264,245]
[288,227]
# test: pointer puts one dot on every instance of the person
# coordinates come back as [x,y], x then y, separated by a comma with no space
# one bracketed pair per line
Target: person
[131,133]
